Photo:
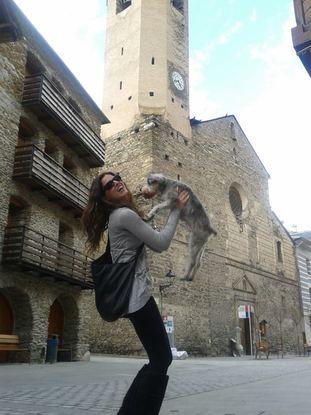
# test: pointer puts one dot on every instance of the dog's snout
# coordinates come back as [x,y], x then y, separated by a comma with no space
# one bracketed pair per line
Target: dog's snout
[149,181]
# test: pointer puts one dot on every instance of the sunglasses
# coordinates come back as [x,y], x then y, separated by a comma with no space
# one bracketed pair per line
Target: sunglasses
[109,185]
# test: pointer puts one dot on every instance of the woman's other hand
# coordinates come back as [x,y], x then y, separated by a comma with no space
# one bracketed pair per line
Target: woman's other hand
[182,199]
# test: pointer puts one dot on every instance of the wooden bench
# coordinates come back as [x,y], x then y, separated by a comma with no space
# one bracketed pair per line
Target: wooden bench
[64,353]
[262,347]
[306,349]
[10,343]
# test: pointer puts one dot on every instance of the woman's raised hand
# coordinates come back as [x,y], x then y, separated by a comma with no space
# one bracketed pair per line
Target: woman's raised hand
[182,199]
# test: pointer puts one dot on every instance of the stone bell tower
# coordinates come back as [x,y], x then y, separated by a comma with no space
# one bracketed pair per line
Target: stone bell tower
[146,64]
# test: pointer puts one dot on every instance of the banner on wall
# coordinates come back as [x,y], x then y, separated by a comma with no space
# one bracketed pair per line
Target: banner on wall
[245,311]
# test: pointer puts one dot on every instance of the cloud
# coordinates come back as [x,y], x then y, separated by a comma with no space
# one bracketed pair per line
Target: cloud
[76,33]
[253,17]
[225,37]
[201,101]
[277,121]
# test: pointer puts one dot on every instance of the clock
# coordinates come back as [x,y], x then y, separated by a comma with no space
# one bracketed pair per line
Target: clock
[178,81]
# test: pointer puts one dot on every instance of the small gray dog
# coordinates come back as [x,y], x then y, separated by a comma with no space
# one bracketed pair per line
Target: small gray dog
[193,214]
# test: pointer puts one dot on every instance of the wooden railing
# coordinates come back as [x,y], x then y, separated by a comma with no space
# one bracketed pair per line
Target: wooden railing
[33,165]
[52,108]
[31,250]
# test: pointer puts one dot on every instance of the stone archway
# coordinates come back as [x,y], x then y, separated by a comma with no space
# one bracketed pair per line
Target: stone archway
[6,323]
[64,321]
[16,318]
[56,321]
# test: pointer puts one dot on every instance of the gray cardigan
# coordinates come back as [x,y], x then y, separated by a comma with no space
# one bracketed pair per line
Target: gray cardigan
[127,231]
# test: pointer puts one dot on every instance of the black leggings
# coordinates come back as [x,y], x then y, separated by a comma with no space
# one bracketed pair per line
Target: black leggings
[150,329]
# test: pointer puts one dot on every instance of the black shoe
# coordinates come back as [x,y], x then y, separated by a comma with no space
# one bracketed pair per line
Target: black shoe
[128,404]
[150,393]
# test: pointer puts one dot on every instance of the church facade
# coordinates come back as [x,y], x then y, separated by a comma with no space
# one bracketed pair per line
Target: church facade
[250,265]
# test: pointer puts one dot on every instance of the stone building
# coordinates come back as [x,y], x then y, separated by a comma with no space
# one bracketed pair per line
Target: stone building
[303,253]
[301,34]
[251,262]
[50,150]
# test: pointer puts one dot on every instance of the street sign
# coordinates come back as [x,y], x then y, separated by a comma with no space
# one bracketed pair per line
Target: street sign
[169,324]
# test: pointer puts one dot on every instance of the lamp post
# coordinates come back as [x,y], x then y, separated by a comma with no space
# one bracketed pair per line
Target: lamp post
[163,287]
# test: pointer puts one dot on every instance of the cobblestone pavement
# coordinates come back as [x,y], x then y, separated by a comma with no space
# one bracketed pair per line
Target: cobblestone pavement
[197,387]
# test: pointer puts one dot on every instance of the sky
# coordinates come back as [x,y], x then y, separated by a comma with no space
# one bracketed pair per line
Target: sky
[241,62]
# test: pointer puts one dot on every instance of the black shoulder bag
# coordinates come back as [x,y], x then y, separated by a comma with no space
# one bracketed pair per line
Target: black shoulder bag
[113,284]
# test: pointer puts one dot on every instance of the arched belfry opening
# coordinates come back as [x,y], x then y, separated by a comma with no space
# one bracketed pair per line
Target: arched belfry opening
[179,5]
[122,5]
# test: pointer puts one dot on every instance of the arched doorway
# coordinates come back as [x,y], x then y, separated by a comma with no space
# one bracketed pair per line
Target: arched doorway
[6,323]
[64,322]
[56,321]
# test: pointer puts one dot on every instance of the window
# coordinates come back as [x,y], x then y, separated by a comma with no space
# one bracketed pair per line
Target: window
[69,165]
[51,150]
[179,5]
[33,65]
[308,265]
[151,93]
[152,61]
[19,212]
[232,131]
[178,177]
[122,51]
[25,131]
[166,157]
[179,164]
[235,202]
[279,251]
[122,5]
[121,84]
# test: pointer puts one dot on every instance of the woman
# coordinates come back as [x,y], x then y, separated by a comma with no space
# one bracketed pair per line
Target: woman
[111,207]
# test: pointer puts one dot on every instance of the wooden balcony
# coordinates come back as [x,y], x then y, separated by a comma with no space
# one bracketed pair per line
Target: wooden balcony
[43,97]
[29,250]
[35,167]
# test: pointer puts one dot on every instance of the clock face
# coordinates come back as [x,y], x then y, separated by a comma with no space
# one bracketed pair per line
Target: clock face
[178,81]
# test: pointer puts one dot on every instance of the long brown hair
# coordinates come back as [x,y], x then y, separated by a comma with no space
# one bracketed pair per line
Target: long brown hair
[96,214]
